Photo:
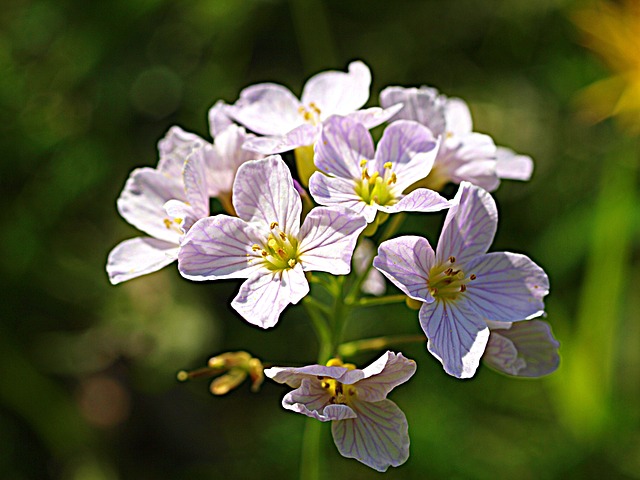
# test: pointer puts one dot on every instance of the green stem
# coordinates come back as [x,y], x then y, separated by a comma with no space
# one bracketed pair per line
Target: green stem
[378,343]
[310,460]
[375,301]
[321,328]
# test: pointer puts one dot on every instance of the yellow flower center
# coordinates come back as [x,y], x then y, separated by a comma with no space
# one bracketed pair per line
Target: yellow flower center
[339,392]
[280,251]
[173,224]
[447,282]
[377,188]
[311,114]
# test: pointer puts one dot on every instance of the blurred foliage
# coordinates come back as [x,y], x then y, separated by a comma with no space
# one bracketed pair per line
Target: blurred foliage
[88,385]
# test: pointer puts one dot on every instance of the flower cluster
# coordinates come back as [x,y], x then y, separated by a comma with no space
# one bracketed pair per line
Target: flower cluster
[273,230]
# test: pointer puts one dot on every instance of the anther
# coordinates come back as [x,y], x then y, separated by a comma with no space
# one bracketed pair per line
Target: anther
[167,223]
[392,179]
[273,225]
[291,263]
[387,165]
[448,271]
[264,253]
[325,384]
[463,288]
[452,259]
[363,162]
[472,276]
[283,236]
[255,247]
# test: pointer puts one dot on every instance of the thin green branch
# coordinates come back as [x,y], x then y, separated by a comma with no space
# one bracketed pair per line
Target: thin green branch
[351,348]
[375,301]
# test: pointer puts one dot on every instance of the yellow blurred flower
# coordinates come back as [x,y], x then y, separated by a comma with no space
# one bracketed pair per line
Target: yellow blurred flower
[612,31]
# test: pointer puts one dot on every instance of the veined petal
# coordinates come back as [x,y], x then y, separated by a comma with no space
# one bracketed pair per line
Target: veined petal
[293,376]
[457,336]
[374,116]
[142,200]
[469,226]
[310,399]
[508,287]
[139,256]
[383,375]
[220,247]
[264,296]
[267,109]
[263,193]
[479,172]
[174,149]
[535,347]
[195,182]
[458,117]
[378,437]
[219,119]
[406,261]
[410,148]
[300,136]
[502,355]
[343,144]
[512,166]
[338,93]
[423,105]
[327,239]
[419,200]
[363,254]
[336,191]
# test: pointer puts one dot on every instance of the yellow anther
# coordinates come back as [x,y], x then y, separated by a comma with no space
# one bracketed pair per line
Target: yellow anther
[334,362]
[373,178]
[387,165]
[393,179]
[255,247]
[283,236]
[291,263]
[264,253]
[363,162]
[177,220]
[167,223]
[273,225]
[301,109]
[325,384]
[349,366]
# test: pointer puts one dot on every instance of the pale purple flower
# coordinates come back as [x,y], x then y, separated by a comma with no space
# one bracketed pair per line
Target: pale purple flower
[365,425]
[523,349]
[163,202]
[272,110]
[464,155]
[368,181]
[266,244]
[461,284]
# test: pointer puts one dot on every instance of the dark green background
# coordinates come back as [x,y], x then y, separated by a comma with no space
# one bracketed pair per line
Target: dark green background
[87,370]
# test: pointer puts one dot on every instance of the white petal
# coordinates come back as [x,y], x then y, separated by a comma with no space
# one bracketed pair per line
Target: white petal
[300,136]
[263,193]
[374,116]
[174,149]
[458,117]
[469,226]
[264,296]
[267,109]
[378,437]
[383,375]
[327,239]
[219,118]
[423,105]
[139,256]
[512,166]
[419,200]
[334,191]
[457,336]
[338,93]
[142,201]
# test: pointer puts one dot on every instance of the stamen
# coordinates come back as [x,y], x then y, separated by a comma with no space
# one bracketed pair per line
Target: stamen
[393,179]
[255,247]
[363,162]
[167,223]
[291,263]
[273,225]
[463,288]
[452,259]
[283,236]
[264,253]
[387,165]
[472,276]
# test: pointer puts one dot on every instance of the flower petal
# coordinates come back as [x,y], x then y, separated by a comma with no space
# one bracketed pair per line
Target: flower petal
[383,375]
[508,287]
[535,346]
[406,261]
[423,105]
[264,193]
[142,200]
[264,296]
[457,336]
[378,437]
[334,191]
[338,93]
[512,166]
[219,118]
[502,355]
[327,239]
[374,116]
[139,256]
[469,226]
[293,376]
[458,117]
[267,109]
[419,200]
[300,136]
[343,144]
[220,247]
[310,399]
[363,255]
[195,183]
[410,148]
[174,149]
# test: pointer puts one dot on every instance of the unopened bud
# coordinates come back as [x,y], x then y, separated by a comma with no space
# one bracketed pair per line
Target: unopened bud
[227,382]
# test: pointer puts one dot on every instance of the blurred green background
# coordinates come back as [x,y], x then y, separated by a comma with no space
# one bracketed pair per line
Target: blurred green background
[87,370]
